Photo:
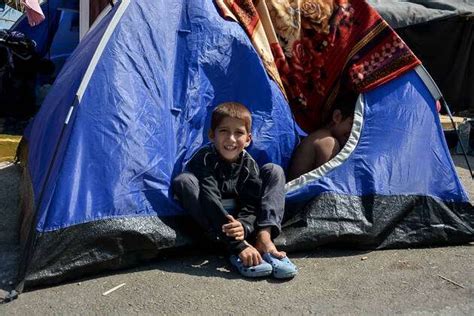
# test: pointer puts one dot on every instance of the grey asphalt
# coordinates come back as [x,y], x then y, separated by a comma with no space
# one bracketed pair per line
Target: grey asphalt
[429,281]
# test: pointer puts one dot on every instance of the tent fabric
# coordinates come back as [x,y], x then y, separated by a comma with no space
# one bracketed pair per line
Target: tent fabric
[58,35]
[441,34]
[43,33]
[65,39]
[131,106]
[445,46]
[403,13]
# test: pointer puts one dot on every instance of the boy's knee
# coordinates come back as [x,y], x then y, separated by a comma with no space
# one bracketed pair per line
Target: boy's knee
[273,171]
[185,180]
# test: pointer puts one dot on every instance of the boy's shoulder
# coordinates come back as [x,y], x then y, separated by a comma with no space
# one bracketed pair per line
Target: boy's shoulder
[209,147]
[248,157]
[249,162]
[321,133]
[203,154]
[324,143]
[321,136]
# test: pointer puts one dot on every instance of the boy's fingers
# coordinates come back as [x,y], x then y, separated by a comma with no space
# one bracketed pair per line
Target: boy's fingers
[234,234]
[257,259]
[230,217]
[231,225]
[251,263]
[234,225]
[234,230]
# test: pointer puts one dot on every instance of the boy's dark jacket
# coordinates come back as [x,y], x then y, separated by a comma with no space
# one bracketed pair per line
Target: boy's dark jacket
[219,179]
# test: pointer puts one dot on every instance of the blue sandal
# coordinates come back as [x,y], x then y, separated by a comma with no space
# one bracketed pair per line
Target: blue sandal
[282,268]
[261,270]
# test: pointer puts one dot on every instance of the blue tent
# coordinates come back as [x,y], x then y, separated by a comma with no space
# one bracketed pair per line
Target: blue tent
[132,104]
[58,35]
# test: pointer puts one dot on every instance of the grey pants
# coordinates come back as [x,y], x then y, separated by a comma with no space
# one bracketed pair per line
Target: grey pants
[270,213]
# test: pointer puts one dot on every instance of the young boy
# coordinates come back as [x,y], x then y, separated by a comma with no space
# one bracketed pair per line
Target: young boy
[232,200]
[323,144]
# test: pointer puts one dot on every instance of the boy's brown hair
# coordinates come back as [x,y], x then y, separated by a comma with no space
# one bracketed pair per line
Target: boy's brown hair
[345,103]
[234,110]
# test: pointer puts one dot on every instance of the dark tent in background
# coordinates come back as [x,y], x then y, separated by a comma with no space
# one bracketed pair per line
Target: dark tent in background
[132,104]
[441,34]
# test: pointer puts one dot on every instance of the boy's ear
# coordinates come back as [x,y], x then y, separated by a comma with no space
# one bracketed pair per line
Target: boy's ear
[210,134]
[249,140]
[337,116]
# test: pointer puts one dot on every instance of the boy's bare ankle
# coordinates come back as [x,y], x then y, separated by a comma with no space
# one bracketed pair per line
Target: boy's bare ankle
[264,235]
[265,244]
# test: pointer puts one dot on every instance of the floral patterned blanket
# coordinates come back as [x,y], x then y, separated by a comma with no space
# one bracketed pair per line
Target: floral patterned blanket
[315,49]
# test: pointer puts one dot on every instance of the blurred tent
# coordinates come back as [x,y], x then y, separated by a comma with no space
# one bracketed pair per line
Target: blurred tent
[441,34]
[59,34]
[25,81]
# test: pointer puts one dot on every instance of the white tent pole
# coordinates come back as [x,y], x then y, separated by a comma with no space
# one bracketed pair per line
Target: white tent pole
[84,10]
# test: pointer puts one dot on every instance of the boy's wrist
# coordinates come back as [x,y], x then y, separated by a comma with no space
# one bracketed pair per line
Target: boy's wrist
[239,247]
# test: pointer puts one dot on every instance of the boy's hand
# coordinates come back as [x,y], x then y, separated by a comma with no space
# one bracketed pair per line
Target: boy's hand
[250,256]
[234,228]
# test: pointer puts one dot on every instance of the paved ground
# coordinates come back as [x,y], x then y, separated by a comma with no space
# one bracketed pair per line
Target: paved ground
[436,281]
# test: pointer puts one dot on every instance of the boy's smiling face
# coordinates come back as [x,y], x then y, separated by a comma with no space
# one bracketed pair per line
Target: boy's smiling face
[230,138]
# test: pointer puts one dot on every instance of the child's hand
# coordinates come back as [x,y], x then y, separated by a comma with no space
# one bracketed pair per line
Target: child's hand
[250,256]
[234,228]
